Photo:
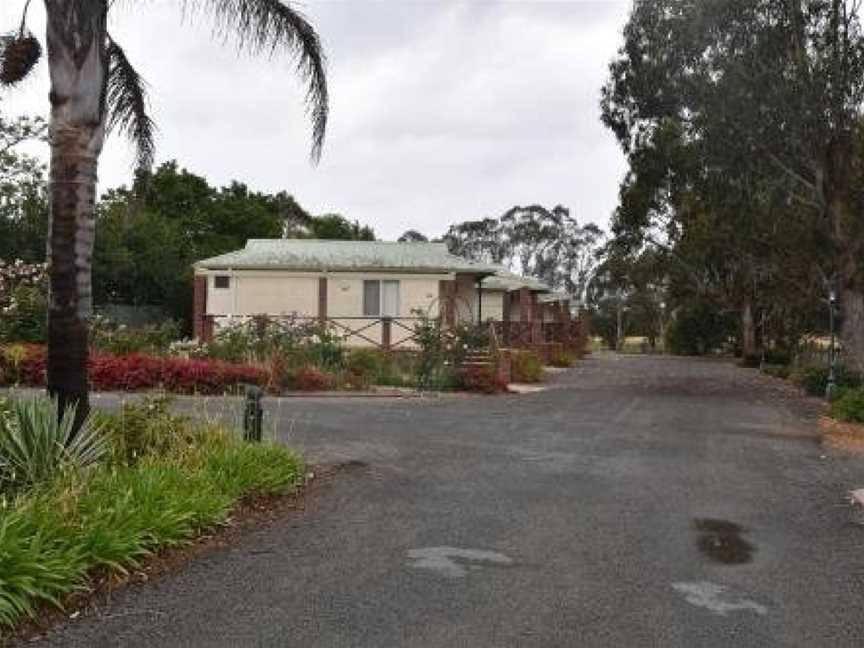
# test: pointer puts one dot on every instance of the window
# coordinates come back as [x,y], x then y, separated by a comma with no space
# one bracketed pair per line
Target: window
[380,298]
[221,281]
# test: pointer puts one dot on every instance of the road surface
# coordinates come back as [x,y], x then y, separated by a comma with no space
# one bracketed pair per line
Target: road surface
[640,501]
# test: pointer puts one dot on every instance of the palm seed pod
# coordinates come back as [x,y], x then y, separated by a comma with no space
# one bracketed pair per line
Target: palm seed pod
[18,57]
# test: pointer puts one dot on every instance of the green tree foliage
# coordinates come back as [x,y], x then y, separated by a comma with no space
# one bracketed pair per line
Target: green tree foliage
[152,233]
[23,202]
[740,122]
[413,236]
[548,244]
[336,226]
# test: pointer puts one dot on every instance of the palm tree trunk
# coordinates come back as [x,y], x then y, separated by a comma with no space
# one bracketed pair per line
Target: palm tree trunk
[78,68]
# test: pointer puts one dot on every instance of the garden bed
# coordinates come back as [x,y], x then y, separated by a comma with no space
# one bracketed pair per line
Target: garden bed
[145,481]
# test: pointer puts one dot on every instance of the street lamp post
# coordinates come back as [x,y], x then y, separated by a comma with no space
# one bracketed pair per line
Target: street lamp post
[831,387]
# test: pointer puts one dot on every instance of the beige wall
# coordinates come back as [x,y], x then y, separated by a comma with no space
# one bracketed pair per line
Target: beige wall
[284,293]
[260,293]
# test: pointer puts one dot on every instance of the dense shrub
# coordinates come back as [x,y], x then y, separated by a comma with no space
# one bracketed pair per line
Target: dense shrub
[849,405]
[312,379]
[108,337]
[814,380]
[136,372]
[148,429]
[24,318]
[484,380]
[256,340]
[526,367]
[13,359]
[23,302]
[561,358]
[365,362]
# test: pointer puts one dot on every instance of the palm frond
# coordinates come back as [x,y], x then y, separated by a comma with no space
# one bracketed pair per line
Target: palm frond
[127,105]
[265,26]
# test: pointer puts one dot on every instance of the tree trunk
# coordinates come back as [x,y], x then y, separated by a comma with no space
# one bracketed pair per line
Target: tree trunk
[748,331]
[78,68]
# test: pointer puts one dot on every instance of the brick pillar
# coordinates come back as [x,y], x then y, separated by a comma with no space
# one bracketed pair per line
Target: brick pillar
[505,317]
[322,299]
[207,329]
[525,310]
[199,308]
[447,301]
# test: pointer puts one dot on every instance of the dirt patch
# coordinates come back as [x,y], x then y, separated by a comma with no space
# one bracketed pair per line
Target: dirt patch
[838,435]
[253,512]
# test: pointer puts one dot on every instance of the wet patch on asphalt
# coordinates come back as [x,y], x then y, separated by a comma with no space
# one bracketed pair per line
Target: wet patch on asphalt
[720,541]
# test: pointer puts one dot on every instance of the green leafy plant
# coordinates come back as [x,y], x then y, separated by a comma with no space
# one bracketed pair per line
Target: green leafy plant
[362,368]
[562,359]
[814,380]
[849,405]
[53,536]
[526,367]
[148,428]
[12,358]
[120,340]
[36,443]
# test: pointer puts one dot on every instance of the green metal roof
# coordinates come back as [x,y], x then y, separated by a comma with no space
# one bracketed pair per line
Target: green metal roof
[346,256]
[503,279]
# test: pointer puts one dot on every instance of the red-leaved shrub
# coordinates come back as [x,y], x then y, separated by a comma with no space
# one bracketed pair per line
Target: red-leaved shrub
[137,372]
[311,379]
[484,380]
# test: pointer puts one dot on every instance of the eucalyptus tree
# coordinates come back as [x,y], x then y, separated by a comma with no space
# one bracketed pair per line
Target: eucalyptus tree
[762,91]
[95,89]
[551,245]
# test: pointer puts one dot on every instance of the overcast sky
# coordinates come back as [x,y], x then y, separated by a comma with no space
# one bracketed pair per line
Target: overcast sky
[440,111]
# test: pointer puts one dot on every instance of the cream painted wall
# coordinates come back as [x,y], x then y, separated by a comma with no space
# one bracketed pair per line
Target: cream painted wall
[220,301]
[257,293]
[278,293]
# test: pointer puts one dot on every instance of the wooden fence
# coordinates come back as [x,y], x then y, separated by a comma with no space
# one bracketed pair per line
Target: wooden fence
[388,333]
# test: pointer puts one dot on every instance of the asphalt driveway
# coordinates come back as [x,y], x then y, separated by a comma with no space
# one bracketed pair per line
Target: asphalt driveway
[640,502]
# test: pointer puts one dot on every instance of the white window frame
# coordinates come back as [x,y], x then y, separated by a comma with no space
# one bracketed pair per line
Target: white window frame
[220,276]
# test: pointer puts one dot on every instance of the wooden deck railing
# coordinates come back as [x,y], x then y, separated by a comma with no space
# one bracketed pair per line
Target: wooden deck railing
[399,332]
